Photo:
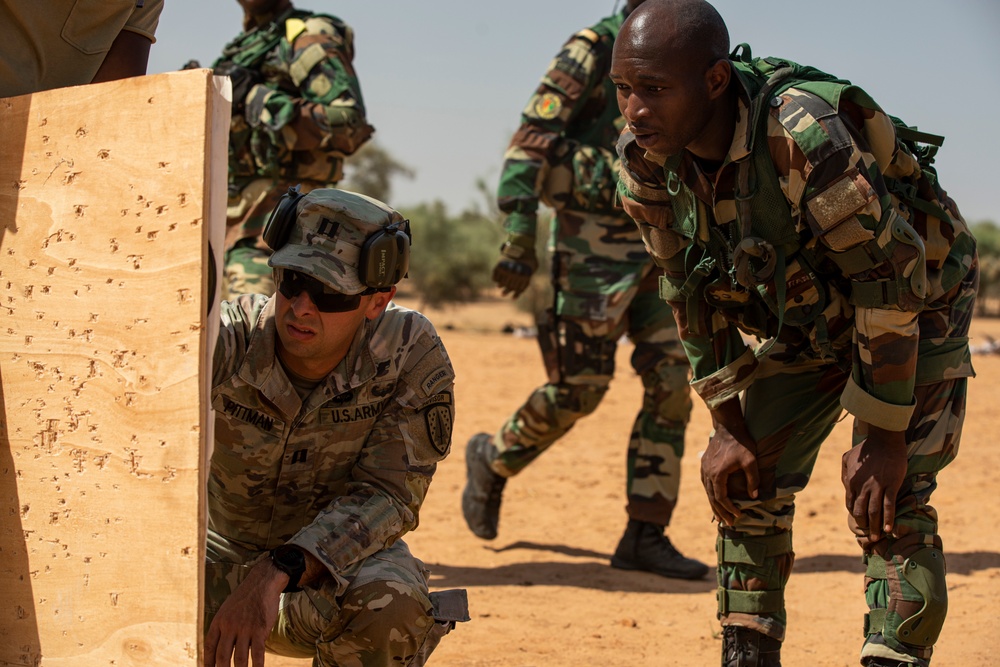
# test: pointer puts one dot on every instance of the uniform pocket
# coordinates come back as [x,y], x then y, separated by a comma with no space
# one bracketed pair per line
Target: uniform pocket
[93,25]
[805,296]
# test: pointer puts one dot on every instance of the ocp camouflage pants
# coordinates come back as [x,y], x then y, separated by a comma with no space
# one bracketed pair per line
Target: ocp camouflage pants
[790,408]
[383,618]
[245,269]
[606,287]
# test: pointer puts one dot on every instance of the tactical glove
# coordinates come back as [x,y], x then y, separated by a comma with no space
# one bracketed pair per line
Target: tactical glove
[243,79]
[517,264]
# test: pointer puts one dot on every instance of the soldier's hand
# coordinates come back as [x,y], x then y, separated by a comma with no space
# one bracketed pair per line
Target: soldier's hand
[730,460]
[873,473]
[245,619]
[517,264]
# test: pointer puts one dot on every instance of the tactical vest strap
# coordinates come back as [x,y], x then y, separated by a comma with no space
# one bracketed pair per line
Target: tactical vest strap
[874,294]
[907,193]
[671,290]
[754,550]
[750,602]
[249,49]
[780,291]
[858,259]
[875,621]
[875,566]
[912,134]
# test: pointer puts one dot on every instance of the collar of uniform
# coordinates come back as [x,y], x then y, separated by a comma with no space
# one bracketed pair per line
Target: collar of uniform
[358,366]
[702,184]
[261,369]
[739,149]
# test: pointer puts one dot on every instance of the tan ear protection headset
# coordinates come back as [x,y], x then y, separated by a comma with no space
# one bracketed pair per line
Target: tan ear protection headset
[385,255]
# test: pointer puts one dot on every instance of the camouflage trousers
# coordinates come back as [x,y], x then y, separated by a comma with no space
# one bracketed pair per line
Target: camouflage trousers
[384,617]
[245,269]
[791,407]
[605,287]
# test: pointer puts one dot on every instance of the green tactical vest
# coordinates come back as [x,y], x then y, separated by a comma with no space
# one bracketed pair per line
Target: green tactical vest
[765,225]
[249,50]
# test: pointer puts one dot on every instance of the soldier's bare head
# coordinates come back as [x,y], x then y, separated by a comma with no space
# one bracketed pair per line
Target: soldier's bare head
[671,68]
[689,28]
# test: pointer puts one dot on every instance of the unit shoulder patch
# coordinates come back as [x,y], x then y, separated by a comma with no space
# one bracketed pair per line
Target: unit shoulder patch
[438,420]
[548,106]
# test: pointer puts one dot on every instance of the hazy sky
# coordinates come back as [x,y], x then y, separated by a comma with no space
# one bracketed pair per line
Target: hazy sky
[444,81]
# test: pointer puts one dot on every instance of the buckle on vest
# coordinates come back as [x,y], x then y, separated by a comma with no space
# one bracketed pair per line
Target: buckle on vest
[754,260]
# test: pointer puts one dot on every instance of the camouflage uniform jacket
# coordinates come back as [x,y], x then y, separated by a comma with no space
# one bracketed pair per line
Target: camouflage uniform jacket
[343,474]
[851,293]
[306,113]
[563,152]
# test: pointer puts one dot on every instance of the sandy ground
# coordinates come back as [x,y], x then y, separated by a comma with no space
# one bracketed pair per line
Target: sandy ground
[543,595]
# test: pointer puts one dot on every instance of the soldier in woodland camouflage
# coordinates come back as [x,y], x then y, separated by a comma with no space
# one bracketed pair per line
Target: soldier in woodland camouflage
[333,408]
[297,112]
[605,288]
[786,205]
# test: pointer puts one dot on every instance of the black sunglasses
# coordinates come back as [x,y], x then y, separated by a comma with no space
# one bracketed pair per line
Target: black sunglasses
[292,283]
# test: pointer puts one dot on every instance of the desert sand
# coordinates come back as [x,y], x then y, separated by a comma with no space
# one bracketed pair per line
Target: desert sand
[543,595]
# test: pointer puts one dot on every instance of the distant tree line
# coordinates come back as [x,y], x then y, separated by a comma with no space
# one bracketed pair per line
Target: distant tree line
[988,236]
[454,254]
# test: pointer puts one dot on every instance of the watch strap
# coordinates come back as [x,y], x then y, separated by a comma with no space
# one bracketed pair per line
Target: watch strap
[292,561]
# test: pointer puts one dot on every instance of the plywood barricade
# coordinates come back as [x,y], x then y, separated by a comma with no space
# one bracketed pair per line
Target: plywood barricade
[106,193]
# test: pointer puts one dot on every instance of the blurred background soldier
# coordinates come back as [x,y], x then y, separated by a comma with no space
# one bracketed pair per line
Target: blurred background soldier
[605,287]
[297,112]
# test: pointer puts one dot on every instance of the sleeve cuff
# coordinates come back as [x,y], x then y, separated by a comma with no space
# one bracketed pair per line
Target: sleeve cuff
[871,410]
[310,547]
[727,382]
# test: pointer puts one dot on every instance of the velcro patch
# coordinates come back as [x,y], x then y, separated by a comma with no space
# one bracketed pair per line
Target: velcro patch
[847,235]
[839,201]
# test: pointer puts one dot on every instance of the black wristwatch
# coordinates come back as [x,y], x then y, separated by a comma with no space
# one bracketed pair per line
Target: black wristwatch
[292,561]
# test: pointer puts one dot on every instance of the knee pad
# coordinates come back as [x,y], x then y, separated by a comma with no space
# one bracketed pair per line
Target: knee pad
[908,599]
[752,572]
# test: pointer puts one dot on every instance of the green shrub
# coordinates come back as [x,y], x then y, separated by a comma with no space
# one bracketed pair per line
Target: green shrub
[452,257]
[988,245]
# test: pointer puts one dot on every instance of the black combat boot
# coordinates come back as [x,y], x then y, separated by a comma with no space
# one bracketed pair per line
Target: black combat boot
[887,662]
[483,487]
[743,647]
[645,547]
